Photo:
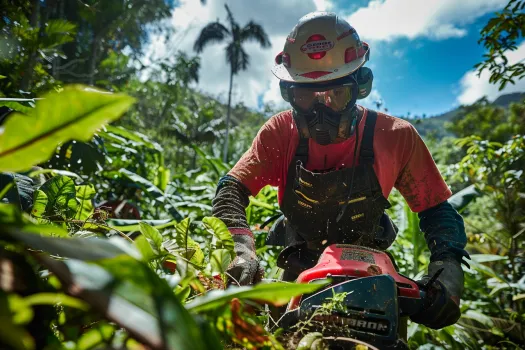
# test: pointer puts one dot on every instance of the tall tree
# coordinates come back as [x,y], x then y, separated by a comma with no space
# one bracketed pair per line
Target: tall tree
[236,56]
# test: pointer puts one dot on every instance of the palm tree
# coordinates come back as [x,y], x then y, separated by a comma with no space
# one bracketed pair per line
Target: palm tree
[236,57]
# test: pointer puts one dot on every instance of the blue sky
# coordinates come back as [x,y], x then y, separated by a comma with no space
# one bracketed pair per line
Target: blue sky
[424,75]
[423,51]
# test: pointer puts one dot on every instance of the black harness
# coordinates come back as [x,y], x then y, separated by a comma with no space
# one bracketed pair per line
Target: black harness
[313,200]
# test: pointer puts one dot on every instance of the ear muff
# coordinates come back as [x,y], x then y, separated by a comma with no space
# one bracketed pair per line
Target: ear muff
[364,77]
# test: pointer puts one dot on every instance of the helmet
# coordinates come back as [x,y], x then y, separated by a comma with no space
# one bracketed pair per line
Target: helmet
[322,75]
[321,47]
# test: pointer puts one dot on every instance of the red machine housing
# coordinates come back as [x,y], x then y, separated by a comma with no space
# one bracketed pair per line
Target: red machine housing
[344,262]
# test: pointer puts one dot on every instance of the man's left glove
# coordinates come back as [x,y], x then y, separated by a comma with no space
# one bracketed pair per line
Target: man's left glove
[443,295]
[245,268]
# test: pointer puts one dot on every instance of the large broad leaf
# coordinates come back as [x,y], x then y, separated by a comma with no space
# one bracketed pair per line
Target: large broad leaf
[220,231]
[220,259]
[276,293]
[61,196]
[39,204]
[192,250]
[125,290]
[145,248]
[460,200]
[153,236]
[73,114]
[85,194]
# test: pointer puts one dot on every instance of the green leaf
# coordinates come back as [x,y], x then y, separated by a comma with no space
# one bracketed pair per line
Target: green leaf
[61,196]
[39,204]
[75,248]
[147,185]
[12,335]
[16,106]
[219,229]
[276,293]
[518,297]
[480,317]
[14,219]
[183,293]
[482,258]
[4,191]
[85,191]
[76,113]
[486,270]
[85,194]
[55,298]
[152,234]
[145,248]
[184,241]
[134,136]
[129,225]
[22,313]
[151,190]
[101,333]
[220,259]
[258,203]
[54,172]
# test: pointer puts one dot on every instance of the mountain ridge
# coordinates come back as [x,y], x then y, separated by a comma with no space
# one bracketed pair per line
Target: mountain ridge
[435,125]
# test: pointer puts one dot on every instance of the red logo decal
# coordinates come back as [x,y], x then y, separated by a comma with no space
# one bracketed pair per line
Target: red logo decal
[316,46]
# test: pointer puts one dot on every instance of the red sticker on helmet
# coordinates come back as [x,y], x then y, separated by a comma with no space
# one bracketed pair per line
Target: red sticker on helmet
[316,46]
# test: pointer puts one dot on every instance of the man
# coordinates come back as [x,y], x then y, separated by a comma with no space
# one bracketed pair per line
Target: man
[335,163]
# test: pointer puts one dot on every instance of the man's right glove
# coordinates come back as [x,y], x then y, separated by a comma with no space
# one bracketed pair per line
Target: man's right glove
[245,268]
[443,295]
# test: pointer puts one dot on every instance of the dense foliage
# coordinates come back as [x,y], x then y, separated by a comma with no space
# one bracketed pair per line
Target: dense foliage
[105,235]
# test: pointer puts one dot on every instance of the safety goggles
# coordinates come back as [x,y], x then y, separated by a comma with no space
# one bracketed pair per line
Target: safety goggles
[336,99]
[337,95]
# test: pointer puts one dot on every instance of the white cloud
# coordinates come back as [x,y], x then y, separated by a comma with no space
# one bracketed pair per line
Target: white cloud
[437,19]
[277,17]
[370,101]
[323,5]
[474,87]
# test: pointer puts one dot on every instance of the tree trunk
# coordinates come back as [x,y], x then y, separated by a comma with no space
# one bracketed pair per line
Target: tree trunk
[33,54]
[225,151]
[93,60]
[57,59]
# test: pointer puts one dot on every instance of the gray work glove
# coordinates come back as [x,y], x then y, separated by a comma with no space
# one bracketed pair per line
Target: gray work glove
[443,296]
[245,268]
